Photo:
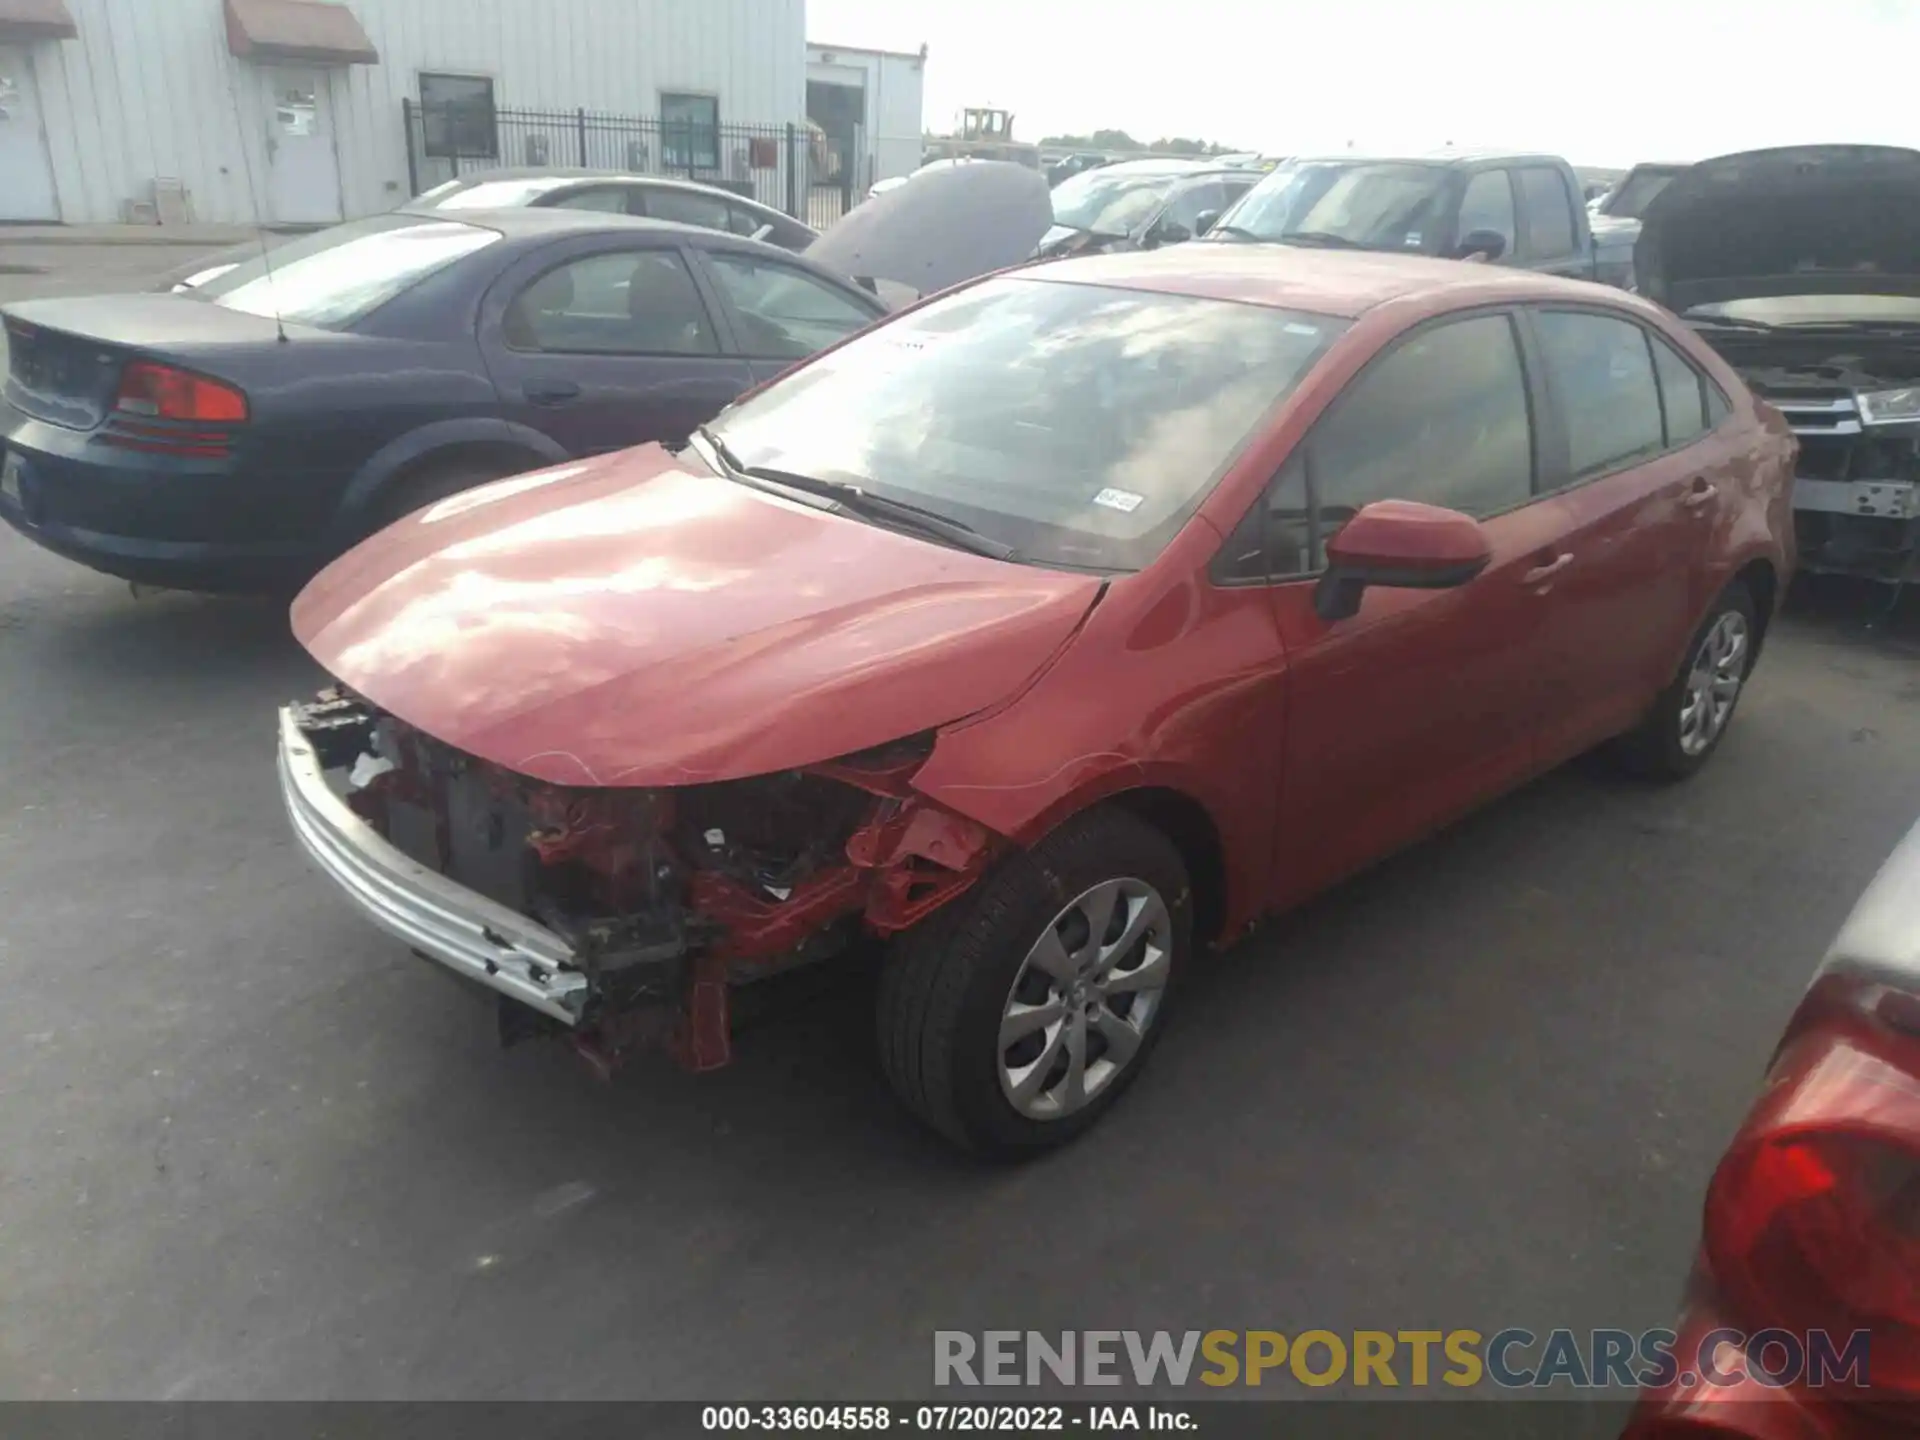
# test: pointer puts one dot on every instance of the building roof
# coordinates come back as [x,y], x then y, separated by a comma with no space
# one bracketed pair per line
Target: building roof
[1345,283]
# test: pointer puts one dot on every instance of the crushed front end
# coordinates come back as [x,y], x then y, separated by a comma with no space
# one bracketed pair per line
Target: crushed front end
[616,915]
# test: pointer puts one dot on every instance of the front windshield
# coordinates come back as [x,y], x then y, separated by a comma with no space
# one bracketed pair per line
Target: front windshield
[1637,192]
[494,194]
[1368,205]
[1078,424]
[1103,203]
[337,276]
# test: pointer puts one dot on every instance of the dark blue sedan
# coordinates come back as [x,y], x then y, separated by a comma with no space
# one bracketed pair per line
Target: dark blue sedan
[239,437]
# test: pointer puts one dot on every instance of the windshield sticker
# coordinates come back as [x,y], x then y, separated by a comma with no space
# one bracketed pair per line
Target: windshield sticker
[1122,500]
[1413,240]
[1294,327]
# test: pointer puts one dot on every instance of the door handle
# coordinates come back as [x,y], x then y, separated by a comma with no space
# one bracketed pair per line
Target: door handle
[1548,571]
[551,392]
[1703,493]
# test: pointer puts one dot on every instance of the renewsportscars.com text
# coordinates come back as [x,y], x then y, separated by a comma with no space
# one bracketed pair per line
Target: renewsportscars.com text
[1509,1359]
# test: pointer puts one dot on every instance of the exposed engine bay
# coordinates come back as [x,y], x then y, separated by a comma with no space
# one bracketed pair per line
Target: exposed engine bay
[1852,403]
[666,898]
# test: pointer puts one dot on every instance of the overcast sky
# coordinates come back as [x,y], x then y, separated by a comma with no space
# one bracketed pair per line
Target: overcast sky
[1603,84]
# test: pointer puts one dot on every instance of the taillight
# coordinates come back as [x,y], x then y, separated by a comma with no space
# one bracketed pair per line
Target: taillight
[1813,1219]
[164,393]
[163,411]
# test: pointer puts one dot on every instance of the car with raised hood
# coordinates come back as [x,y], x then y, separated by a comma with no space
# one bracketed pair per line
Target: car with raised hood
[1801,1318]
[1051,631]
[1491,206]
[604,192]
[1140,205]
[238,437]
[1802,267]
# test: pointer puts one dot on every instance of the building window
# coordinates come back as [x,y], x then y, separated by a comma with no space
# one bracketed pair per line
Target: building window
[456,114]
[690,132]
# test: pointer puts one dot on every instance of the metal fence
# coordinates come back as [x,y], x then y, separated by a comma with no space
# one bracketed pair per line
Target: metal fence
[790,167]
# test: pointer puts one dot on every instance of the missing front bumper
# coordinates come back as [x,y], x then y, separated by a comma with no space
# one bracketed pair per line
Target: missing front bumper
[446,922]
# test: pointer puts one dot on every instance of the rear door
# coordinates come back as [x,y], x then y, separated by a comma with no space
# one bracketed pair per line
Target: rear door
[605,343]
[1627,472]
[1426,702]
[1549,230]
[781,313]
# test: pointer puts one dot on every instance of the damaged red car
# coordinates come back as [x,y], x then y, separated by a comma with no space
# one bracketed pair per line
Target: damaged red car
[1050,632]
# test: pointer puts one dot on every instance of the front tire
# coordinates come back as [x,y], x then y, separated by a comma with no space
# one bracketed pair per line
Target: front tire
[1014,1018]
[1691,716]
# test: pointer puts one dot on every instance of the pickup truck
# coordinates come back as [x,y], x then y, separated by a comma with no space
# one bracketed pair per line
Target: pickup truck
[1506,209]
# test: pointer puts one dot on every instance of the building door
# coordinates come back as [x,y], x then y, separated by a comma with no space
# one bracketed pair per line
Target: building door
[26,171]
[303,171]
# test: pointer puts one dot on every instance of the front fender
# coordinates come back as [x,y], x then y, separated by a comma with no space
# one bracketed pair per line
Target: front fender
[398,454]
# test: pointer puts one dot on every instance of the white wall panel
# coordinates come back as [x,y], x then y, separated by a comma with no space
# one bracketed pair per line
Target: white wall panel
[149,90]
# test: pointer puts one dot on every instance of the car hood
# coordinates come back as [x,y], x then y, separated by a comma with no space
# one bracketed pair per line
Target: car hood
[1803,220]
[942,227]
[638,620]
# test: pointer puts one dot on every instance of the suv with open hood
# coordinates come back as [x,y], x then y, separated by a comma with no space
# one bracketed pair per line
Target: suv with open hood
[1801,266]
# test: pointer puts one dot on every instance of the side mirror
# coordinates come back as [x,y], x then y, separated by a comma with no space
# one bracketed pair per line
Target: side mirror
[1403,545]
[1490,244]
[1168,232]
[1205,221]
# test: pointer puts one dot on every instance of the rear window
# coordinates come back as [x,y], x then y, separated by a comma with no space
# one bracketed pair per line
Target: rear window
[338,276]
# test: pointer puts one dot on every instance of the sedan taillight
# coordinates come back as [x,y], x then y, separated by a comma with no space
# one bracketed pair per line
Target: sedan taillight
[161,410]
[1813,1219]
[165,393]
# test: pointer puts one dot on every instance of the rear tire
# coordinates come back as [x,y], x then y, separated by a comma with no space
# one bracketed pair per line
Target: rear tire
[1003,1023]
[1691,716]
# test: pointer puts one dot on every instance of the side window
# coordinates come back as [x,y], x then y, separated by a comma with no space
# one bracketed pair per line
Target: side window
[1189,205]
[1488,205]
[785,313]
[1602,375]
[602,199]
[1275,540]
[1548,209]
[1442,419]
[742,221]
[688,207]
[1682,393]
[625,303]
[1718,406]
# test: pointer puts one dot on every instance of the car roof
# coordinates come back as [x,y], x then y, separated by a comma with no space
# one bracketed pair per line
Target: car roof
[1160,167]
[1343,283]
[535,223]
[567,175]
[1453,156]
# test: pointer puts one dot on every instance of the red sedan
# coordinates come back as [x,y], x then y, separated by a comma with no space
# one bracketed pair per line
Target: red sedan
[1050,631]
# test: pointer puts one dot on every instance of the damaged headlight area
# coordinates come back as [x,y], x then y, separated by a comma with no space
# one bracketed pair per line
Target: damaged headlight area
[617,915]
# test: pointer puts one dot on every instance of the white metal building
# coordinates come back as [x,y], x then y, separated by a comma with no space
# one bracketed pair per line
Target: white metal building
[290,111]
[868,103]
